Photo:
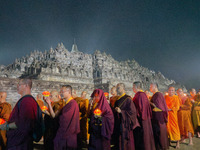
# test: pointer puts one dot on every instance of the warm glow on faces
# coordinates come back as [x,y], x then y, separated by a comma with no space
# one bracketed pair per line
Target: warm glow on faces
[134,88]
[96,98]
[180,92]
[152,87]
[171,91]
[193,92]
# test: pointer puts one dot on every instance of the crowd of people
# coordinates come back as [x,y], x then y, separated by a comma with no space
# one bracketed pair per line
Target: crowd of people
[119,122]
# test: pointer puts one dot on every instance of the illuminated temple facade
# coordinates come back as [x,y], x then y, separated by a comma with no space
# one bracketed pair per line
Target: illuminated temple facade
[83,71]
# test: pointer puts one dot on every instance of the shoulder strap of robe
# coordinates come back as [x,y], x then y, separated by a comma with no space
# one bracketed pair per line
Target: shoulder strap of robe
[120,105]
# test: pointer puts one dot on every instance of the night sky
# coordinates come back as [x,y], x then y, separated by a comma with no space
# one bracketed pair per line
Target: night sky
[162,35]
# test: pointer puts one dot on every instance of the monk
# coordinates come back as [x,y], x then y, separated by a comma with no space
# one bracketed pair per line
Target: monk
[114,96]
[39,100]
[173,104]
[196,115]
[159,118]
[148,94]
[84,119]
[22,118]
[101,122]
[68,120]
[145,137]
[125,120]
[83,108]
[5,110]
[51,124]
[192,94]
[184,117]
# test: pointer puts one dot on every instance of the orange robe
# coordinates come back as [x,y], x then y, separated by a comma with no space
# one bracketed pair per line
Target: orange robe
[5,110]
[196,115]
[173,103]
[184,118]
[40,103]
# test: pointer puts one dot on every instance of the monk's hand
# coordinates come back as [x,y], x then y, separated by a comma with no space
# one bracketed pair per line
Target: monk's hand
[3,126]
[118,109]
[47,100]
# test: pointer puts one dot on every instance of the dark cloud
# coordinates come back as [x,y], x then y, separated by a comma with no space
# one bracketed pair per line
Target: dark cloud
[161,35]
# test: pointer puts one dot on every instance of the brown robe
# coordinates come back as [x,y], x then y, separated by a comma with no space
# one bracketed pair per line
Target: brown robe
[83,109]
[5,110]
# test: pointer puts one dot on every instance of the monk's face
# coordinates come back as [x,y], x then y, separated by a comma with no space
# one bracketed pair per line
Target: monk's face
[64,92]
[83,95]
[55,96]
[21,87]
[119,89]
[96,98]
[152,88]
[134,88]
[180,92]
[193,92]
[113,91]
[171,91]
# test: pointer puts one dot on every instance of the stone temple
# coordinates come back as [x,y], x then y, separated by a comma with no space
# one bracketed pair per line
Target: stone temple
[58,66]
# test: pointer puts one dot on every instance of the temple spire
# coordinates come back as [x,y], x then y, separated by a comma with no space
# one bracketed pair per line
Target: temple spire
[74,47]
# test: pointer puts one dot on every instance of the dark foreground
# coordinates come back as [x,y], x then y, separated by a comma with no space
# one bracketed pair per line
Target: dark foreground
[183,146]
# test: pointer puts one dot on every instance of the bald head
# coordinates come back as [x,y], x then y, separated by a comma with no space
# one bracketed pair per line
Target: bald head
[113,91]
[3,96]
[171,91]
[83,94]
[120,88]
[153,87]
[193,92]
[55,95]
[137,86]
[39,96]
[27,82]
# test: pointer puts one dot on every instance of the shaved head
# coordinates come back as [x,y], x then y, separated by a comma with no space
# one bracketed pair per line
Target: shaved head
[3,96]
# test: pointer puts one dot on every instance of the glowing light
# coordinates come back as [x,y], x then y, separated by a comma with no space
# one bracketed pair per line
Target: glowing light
[97,112]
[2,121]
[106,94]
[184,94]
[46,93]
[44,108]
[166,93]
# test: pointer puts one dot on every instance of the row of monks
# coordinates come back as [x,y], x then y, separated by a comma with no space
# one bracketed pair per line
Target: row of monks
[119,122]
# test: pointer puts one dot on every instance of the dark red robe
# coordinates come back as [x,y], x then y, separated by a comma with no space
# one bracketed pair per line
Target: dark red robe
[100,134]
[24,116]
[159,122]
[125,123]
[144,139]
[69,127]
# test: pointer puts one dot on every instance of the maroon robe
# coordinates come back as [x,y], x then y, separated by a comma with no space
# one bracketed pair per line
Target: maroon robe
[125,123]
[24,116]
[145,138]
[69,127]
[159,122]
[100,134]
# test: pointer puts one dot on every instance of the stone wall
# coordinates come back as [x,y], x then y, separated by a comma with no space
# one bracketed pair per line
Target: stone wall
[10,86]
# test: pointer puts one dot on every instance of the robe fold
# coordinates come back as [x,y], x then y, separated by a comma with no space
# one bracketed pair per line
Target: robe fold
[196,113]
[173,103]
[51,126]
[69,127]
[5,110]
[101,128]
[159,122]
[125,123]
[24,116]
[144,137]
[83,108]
[184,118]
